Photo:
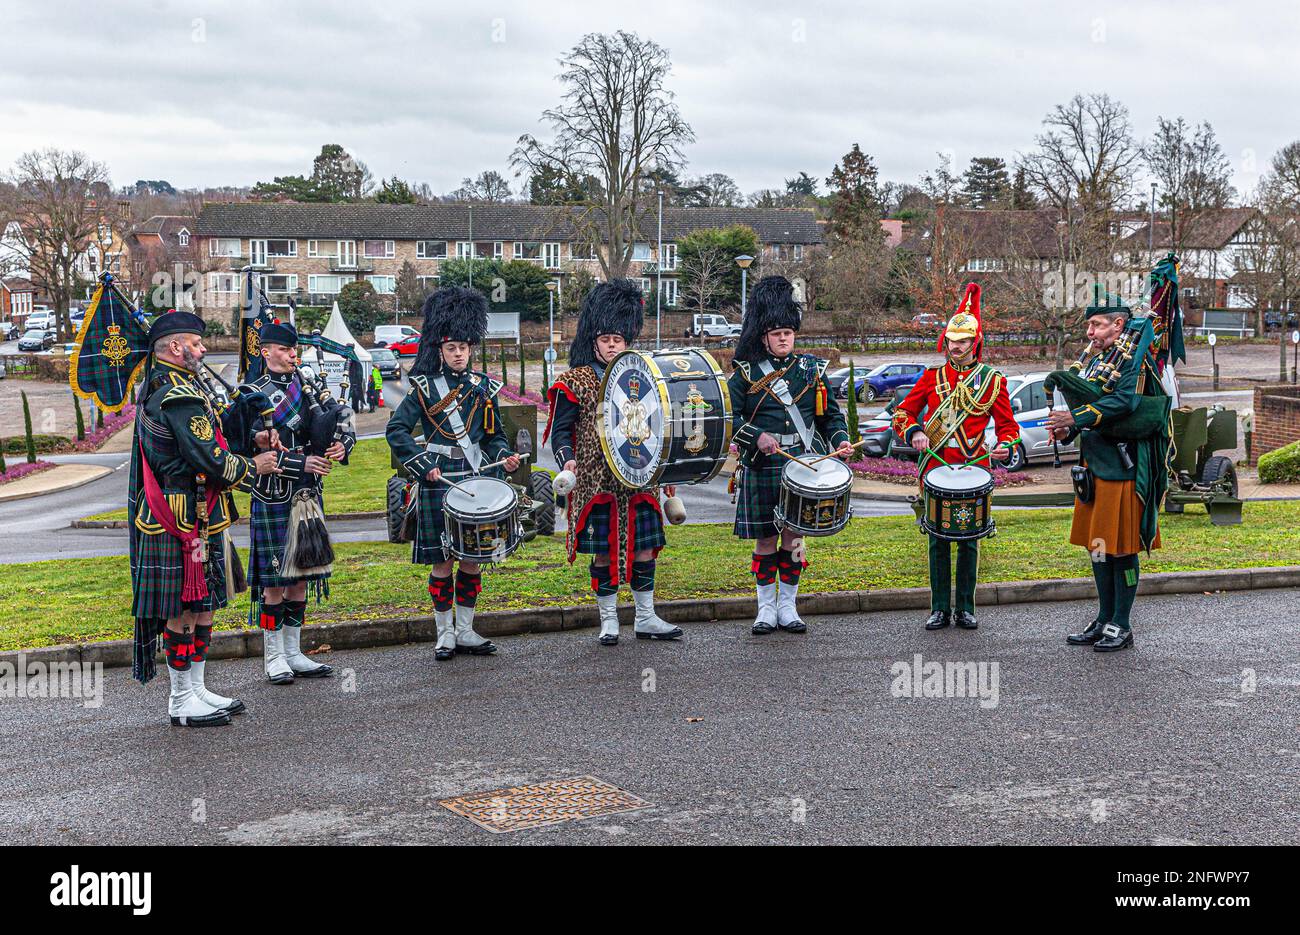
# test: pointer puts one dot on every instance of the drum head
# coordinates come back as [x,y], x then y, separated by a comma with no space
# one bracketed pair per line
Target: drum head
[829,475]
[491,496]
[958,480]
[634,431]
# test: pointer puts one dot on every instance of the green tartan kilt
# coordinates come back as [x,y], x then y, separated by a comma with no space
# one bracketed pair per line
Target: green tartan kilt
[158,577]
[269,528]
[756,500]
[648,530]
[426,548]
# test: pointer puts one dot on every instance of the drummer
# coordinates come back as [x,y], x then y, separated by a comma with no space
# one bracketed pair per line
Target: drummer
[780,403]
[610,321]
[958,398]
[454,408]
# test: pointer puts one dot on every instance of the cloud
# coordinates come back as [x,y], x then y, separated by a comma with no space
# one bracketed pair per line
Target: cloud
[212,93]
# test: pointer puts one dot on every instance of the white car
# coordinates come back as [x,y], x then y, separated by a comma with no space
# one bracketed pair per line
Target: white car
[1031,405]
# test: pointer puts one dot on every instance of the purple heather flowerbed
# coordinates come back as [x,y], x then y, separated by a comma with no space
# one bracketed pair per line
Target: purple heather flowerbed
[529,397]
[897,471]
[16,471]
[112,423]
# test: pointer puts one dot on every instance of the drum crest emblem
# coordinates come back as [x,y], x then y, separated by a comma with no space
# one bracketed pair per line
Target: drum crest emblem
[636,422]
[694,408]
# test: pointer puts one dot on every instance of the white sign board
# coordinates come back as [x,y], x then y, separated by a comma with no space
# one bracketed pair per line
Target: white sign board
[335,371]
[549,355]
[503,326]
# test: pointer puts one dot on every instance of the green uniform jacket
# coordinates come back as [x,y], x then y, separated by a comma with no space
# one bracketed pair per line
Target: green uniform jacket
[755,410]
[477,405]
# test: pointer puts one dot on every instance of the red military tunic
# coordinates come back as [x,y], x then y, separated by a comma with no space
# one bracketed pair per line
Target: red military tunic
[983,396]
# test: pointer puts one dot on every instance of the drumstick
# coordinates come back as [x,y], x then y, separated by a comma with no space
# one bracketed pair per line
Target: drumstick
[782,451]
[835,453]
[452,483]
[494,464]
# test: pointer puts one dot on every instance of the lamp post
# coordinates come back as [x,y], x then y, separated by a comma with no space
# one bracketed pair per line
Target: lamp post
[659,272]
[548,358]
[743,262]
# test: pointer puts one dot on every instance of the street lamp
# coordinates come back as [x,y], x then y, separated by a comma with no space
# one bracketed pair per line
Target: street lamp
[548,358]
[743,262]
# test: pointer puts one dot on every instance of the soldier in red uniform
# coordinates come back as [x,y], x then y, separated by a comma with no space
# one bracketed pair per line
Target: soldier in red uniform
[958,398]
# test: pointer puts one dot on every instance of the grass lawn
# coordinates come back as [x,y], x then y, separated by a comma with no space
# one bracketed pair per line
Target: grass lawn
[357,487]
[45,603]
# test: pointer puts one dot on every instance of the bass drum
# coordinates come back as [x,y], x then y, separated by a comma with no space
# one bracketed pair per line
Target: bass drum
[665,417]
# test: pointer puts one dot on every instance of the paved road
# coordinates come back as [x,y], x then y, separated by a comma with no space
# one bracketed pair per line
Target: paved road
[780,739]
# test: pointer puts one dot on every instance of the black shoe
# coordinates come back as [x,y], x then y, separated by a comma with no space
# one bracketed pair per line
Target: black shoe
[794,626]
[938,620]
[486,649]
[1113,638]
[609,639]
[1088,636]
[215,719]
[965,619]
[284,678]
[762,628]
[235,707]
[442,655]
[674,634]
[320,672]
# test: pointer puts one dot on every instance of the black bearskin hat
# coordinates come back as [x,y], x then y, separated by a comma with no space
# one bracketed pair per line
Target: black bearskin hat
[771,306]
[615,307]
[451,313]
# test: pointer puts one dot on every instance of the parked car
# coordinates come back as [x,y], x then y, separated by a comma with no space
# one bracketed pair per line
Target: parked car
[40,320]
[387,335]
[713,326]
[390,368]
[928,320]
[406,347]
[1031,404]
[11,331]
[877,431]
[36,339]
[884,378]
[1273,320]
[837,382]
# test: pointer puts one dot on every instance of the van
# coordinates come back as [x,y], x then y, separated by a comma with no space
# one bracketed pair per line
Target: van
[393,334]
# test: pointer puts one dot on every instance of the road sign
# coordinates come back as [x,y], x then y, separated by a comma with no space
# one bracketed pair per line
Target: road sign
[1214,339]
[549,355]
[1295,337]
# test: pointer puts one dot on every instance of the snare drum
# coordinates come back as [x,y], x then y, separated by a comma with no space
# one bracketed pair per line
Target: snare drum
[814,500]
[484,527]
[665,417]
[957,502]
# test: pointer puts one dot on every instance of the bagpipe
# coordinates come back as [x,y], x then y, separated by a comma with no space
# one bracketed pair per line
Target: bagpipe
[1132,348]
[330,418]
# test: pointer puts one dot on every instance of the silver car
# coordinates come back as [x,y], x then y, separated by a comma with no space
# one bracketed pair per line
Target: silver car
[1031,404]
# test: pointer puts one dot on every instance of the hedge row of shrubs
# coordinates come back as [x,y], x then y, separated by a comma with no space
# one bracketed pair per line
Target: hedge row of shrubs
[1281,466]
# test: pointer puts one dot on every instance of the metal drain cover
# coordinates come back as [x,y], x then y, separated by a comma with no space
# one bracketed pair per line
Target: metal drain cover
[543,803]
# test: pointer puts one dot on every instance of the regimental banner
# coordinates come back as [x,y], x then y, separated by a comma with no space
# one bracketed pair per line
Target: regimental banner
[111,348]
[255,311]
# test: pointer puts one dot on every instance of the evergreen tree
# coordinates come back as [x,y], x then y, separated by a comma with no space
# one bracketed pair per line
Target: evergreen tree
[851,410]
[81,420]
[986,183]
[27,427]
[855,199]
[1022,198]
[394,191]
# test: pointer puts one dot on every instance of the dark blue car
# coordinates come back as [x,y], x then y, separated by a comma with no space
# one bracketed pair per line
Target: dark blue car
[886,378]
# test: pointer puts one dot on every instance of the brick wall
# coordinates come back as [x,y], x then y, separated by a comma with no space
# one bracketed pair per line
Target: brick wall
[1277,418]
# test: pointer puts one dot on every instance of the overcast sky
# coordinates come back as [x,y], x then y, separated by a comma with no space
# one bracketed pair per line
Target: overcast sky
[212,93]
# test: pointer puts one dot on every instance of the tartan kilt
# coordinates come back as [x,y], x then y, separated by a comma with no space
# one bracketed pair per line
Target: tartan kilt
[268,530]
[648,530]
[426,548]
[157,577]
[756,500]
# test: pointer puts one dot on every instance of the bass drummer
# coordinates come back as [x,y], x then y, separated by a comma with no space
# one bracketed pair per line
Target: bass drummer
[454,408]
[780,403]
[621,529]
[958,397]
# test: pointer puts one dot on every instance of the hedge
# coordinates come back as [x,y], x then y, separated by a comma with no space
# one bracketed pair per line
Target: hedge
[1281,465]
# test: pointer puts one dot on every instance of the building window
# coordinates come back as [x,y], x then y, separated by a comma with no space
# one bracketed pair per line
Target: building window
[641,252]
[645,286]
[183,238]
[670,292]
[326,285]
[223,282]
[431,249]
[377,249]
[581,250]
[670,256]
[282,248]
[322,248]
[384,285]
[798,252]
[223,246]
[527,251]
[427,283]
[281,283]
[483,249]
[551,255]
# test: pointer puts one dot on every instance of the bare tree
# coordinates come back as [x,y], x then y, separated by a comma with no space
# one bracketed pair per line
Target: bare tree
[1192,171]
[703,276]
[616,121]
[812,268]
[1270,265]
[490,186]
[61,201]
[714,190]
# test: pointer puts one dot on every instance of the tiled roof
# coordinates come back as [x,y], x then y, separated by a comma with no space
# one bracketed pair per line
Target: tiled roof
[992,233]
[1209,230]
[491,222]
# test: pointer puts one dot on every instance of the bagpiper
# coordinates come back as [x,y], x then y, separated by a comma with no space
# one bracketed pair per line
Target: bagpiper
[779,401]
[454,408]
[958,398]
[1120,413]
[183,565]
[621,529]
[289,551]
